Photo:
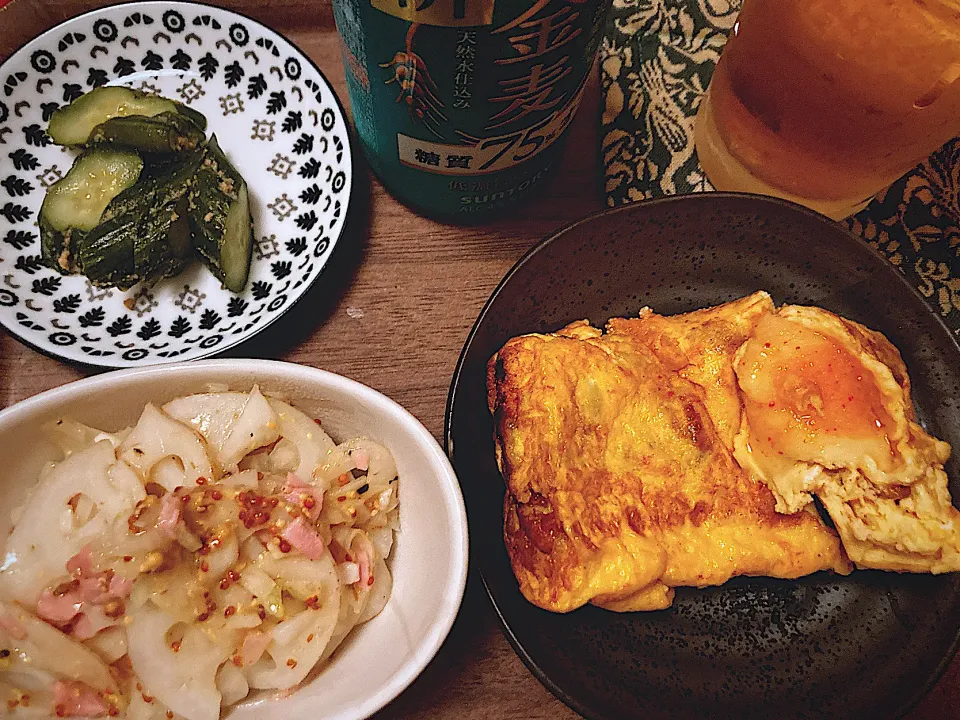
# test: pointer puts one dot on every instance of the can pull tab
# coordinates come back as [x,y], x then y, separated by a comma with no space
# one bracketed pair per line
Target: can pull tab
[947,78]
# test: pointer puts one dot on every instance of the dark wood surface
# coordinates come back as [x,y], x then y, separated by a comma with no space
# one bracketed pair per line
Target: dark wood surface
[411,288]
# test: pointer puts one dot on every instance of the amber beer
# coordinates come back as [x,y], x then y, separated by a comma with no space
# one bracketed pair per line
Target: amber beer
[827,102]
[461,106]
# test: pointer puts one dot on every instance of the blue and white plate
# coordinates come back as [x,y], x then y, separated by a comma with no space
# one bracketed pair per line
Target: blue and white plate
[275,116]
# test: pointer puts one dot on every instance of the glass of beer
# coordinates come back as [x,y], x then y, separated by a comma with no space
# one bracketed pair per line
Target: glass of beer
[827,102]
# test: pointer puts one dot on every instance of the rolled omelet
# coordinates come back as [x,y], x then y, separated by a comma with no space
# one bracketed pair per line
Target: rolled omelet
[668,451]
[617,450]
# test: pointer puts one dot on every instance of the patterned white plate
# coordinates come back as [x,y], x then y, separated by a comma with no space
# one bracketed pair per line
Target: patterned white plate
[276,118]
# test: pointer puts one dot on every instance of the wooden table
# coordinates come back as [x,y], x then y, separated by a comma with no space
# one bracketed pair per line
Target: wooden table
[416,286]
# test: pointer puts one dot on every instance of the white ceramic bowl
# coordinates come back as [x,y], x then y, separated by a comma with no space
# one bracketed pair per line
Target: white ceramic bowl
[429,561]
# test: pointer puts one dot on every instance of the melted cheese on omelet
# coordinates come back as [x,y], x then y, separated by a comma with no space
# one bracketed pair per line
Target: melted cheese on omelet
[824,415]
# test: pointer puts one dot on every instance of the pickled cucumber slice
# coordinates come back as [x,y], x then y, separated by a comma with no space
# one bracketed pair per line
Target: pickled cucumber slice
[164,198]
[161,245]
[179,235]
[163,133]
[79,198]
[105,254]
[128,249]
[75,204]
[57,249]
[144,235]
[236,247]
[220,220]
[178,250]
[73,124]
[194,116]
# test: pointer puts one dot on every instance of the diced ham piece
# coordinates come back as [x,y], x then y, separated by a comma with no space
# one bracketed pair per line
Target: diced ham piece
[86,601]
[294,497]
[81,564]
[95,589]
[169,515]
[90,592]
[74,699]
[361,459]
[120,587]
[299,498]
[294,481]
[114,588]
[304,538]
[295,491]
[254,646]
[12,626]
[362,551]
[83,629]
[90,622]
[59,609]
[363,561]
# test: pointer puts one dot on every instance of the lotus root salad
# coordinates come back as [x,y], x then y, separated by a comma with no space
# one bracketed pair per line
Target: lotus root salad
[222,545]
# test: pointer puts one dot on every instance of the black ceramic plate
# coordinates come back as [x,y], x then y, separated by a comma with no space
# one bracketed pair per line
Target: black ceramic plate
[864,646]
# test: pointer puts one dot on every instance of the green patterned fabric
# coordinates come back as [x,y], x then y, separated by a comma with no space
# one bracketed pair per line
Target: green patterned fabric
[656,60]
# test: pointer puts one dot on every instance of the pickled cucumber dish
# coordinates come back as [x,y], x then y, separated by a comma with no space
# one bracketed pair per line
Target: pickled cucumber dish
[147,194]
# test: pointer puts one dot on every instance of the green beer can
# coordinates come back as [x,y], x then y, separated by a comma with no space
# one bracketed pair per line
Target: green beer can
[462,106]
